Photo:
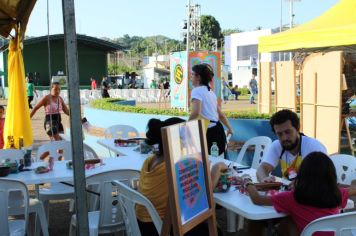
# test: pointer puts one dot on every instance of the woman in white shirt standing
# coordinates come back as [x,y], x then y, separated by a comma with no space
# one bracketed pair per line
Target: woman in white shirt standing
[205,106]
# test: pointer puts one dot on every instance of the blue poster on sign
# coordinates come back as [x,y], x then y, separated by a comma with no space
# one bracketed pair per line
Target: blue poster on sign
[189,172]
[191,188]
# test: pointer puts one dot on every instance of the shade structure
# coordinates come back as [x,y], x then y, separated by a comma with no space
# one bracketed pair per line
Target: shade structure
[15,12]
[17,119]
[336,27]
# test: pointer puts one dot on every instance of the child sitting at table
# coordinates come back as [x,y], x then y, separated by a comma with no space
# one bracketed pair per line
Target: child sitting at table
[316,194]
[2,123]
[153,180]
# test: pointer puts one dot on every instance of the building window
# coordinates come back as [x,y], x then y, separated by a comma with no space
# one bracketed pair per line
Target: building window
[246,52]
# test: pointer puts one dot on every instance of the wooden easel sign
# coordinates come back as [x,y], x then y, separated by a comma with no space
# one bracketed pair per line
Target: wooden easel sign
[190,194]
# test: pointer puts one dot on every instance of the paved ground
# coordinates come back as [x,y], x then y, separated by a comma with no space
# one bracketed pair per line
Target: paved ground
[59,214]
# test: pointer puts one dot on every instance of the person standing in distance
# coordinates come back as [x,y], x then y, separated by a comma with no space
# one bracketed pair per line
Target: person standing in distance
[105,87]
[289,149]
[54,105]
[253,88]
[30,90]
[93,84]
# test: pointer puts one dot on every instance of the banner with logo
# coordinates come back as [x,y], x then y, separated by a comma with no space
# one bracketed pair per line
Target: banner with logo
[214,60]
[179,81]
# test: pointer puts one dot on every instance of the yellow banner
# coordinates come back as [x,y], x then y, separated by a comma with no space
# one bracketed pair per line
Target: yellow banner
[17,120]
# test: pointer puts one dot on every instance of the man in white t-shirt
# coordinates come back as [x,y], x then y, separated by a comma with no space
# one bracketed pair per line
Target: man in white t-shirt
[289,149]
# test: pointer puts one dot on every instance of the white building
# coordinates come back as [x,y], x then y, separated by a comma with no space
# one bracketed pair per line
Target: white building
[155,67]
[154,71]
[241,55]
[162,59]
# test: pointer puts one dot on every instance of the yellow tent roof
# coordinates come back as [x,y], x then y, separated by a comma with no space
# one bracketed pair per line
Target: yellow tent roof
[336,27]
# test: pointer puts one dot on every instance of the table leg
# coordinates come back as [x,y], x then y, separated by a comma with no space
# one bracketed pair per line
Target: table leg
[37,193]
[231,221]
[270,226]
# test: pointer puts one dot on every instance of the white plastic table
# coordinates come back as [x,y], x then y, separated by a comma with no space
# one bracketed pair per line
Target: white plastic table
[60,172]
[234,201]
[118,150]
[241,204]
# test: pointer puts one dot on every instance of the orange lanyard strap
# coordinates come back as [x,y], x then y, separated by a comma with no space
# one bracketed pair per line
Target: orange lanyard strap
[294,163]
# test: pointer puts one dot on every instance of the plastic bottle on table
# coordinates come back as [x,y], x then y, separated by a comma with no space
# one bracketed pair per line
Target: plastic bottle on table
[214,150]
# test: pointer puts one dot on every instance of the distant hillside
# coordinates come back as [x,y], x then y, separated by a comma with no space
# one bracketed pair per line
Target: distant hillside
[143,46]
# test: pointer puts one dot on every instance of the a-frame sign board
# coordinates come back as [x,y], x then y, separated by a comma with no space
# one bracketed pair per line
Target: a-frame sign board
[189,184]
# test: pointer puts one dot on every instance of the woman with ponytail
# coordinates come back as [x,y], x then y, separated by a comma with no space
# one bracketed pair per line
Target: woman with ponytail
[205,106]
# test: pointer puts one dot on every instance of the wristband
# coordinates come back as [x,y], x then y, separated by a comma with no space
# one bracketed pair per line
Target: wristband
[248,184]
[247,181]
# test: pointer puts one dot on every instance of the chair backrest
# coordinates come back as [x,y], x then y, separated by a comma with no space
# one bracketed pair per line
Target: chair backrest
[129,198]
[121,131]
[89,152]
[56,149]
[6,187]
[110,212]
[345,165]
[351,178]
[260,143]
[12,154]
[341,224]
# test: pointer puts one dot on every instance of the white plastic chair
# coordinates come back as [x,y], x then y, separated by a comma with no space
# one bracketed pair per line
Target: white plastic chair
[125,93]
[56,191]
[260,143]
[53,148]
[133,94]
[35,206]
[84,96]
[109,218]
[121,131]
[13,227]
[345,165]
[119,93]
[129,198]
[341,224]
[152,96]
[89,152]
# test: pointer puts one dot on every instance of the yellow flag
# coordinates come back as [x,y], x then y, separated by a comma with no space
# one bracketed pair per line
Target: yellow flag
[17,119]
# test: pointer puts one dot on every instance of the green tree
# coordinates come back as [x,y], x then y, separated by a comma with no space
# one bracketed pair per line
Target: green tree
[117,69]
[227,32]
[210,29]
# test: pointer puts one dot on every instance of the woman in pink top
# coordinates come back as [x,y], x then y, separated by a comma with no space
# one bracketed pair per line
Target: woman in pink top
[54,105]
[316,194]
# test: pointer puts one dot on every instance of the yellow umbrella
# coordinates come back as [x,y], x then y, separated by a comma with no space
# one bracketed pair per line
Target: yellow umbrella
[17,120]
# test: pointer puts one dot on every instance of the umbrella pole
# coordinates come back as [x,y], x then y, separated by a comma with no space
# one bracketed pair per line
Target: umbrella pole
[70,37]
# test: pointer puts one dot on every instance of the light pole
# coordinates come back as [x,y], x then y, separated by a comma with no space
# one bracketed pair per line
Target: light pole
[188,26]
[280,29]
[291,16]
[290,21]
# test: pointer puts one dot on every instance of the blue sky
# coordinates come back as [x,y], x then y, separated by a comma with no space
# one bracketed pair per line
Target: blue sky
[114,18]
